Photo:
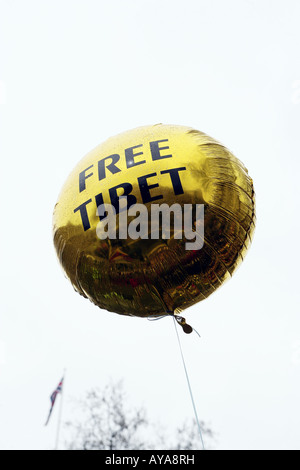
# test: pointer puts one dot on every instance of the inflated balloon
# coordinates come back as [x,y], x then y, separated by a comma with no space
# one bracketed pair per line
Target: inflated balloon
[111,228]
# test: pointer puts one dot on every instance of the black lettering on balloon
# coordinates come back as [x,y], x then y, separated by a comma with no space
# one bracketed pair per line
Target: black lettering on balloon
[102,166]
[130,156]
[83,177]
[145,188]
[175,178]
[114,197]
[155,150]
[84,215]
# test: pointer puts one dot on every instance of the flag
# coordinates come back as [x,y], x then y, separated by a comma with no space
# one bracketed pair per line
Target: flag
[53,398]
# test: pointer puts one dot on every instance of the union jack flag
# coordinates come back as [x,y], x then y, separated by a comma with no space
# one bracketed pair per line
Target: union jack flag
[53,398]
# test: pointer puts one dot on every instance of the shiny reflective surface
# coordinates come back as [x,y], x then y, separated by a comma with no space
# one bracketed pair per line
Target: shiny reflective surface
[154,165]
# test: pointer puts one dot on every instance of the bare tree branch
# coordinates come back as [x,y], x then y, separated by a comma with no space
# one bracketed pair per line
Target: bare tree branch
[108,424]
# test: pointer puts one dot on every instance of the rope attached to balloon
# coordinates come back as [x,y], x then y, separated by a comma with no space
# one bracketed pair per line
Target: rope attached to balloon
[187,378]
[188,330]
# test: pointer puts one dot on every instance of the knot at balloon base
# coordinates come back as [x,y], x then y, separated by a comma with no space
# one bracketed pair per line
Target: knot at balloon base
[182,322]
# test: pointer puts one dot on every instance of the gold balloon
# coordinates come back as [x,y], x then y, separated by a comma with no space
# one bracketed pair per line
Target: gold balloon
[160,164]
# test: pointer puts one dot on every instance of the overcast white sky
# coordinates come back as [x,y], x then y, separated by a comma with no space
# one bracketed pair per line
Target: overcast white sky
[73,73]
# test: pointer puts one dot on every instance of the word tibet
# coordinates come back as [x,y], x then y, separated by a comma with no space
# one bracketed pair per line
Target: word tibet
[112,165]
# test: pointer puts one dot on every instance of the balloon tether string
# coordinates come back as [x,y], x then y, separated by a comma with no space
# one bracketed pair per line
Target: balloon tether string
[189,384]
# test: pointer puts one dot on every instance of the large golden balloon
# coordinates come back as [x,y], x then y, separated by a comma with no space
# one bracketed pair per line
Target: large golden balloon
[154,275]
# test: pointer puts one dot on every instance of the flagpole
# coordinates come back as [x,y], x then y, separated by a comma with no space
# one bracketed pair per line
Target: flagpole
[60,413]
